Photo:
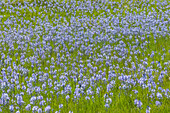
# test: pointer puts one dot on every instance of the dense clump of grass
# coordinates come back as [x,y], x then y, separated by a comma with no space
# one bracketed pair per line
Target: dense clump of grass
[84,56]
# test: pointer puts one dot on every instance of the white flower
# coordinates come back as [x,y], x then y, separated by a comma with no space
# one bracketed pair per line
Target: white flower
[60,106]
[11,108]
[47,109]
[159,95]
[35,108]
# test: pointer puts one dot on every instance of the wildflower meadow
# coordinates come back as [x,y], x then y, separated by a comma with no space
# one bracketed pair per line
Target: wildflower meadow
[86,56]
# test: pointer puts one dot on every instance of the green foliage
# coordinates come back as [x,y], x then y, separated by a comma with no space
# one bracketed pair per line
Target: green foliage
[123,100]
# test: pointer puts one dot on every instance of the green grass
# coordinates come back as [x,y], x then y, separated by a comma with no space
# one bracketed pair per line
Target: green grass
[122,101]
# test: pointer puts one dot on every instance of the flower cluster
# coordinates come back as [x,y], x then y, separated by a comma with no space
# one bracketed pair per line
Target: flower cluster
[66,56]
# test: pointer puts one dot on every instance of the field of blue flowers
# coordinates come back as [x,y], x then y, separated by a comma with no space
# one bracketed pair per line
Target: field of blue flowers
[87,56]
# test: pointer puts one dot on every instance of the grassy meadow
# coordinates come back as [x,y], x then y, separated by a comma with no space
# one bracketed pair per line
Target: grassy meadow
[85,56]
